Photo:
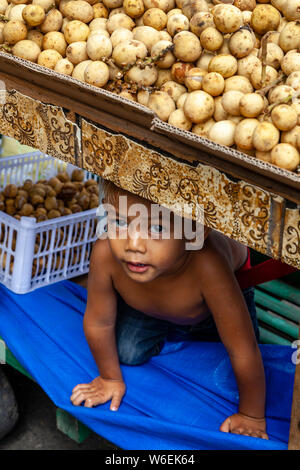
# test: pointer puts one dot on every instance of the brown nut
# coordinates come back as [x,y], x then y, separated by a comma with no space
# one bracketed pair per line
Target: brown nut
[84,202]
[90,182]
[27,185]
[2,206]
[24,193]
[26,210]
[50,191]
[66,211]
[93,189]
[19,202]
[53,214]
[10,190]
[41,218]
[63,177]
[77,175]
[75,208]
[40,211]
[56,184]
[36,199]
[50,203]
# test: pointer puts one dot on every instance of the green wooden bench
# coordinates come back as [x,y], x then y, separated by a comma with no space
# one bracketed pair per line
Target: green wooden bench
[278,311]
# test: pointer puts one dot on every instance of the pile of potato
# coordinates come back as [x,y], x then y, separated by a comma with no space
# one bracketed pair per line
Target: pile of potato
[225,70]
[59,196]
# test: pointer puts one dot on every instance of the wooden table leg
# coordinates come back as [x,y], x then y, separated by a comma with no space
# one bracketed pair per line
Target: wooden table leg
[294,439]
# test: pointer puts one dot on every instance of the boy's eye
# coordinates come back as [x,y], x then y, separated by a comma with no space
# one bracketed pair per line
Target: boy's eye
[156,228]
[121,223]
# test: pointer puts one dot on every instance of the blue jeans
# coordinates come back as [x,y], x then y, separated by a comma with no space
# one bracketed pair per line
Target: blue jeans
[139,336]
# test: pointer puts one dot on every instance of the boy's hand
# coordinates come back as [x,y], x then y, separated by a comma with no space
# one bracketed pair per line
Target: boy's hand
[241,424]
[99,391]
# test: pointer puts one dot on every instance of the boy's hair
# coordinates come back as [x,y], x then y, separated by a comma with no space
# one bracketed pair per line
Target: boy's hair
[111,192]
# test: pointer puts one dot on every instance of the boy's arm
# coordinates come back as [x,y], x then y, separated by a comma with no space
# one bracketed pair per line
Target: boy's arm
[99,328]
[225,300]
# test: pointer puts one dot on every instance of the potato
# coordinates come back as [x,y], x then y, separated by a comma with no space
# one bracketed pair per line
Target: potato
[49,58]
[55,40]
[33,15]
[96,74]
[174,89]
[79,10]
[191,7]
[219,113]
[98,46]
[76,53]
[246,65]
[79,70]
[16,13]
[199,106]
[291,10]
[280,93]
[213,83]
[245,4]
[289,37]
[193,79]
[238,83]
[265,137]
[293,80]
[274,55]
[143,97]
[181,100]
[251,105]
[155,18]
[128,52]
[97,32]
[187,46]
[36,36]
[52,22]
[241,43]
[179,71]
[227,18]
[244,133]
[265,18]
[222,133]
[291,63]
[162,104]
[113,3]
[200,21]
[211,39]
[100,11]
[144,77]
[264,156]
[167,59]
[98,23]
[231,102]
[76,31]
[178,119]
[284,117]
[291,137]
[257,79]
[165,5]
[147,35]
[202,129]
[285,156]
[134,8]
[14,31]
[27,50]
[3,6]
[224,64]
[46,4]
[120,20]
[177,23]
[204,60]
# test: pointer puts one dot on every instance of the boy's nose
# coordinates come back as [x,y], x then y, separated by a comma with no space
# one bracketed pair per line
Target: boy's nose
[135,242]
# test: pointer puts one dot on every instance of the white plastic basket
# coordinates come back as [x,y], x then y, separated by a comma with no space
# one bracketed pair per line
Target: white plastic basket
[37,254]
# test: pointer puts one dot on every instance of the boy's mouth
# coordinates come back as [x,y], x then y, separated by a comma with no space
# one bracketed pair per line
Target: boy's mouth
[137,267]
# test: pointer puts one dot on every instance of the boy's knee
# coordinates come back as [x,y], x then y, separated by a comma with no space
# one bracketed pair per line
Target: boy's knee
[130,355]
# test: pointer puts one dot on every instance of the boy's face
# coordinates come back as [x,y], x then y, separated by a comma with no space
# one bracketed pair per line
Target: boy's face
[137,240]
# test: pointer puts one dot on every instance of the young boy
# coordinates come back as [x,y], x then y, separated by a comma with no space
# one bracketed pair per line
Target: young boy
[146,288]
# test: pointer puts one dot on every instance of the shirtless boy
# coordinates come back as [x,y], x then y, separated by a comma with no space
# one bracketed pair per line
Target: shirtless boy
[130,312]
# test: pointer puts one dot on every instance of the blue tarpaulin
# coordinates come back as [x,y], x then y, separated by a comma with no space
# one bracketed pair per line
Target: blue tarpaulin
[177,400]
